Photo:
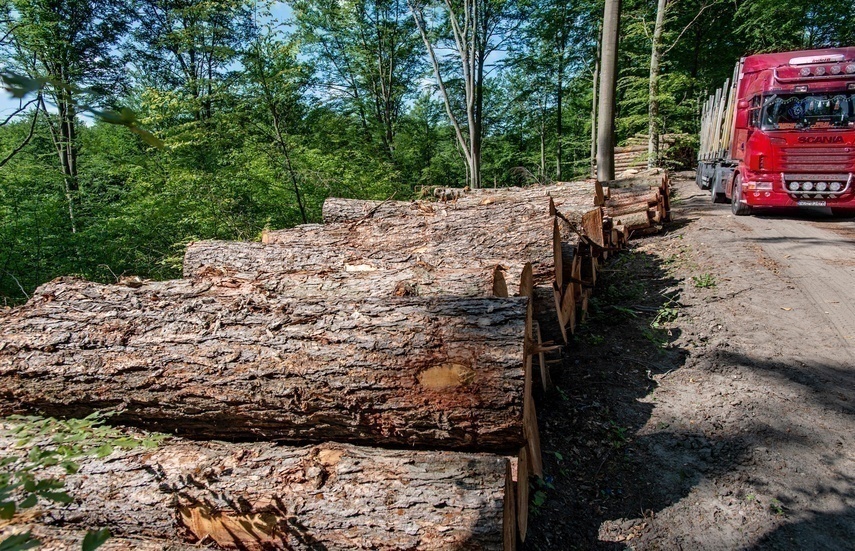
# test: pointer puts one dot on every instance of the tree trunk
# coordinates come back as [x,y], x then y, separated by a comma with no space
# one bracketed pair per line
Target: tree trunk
[182,357]
[559,115]
[261,496]
[594,84]
[653,105]
[608,83]
[256,268]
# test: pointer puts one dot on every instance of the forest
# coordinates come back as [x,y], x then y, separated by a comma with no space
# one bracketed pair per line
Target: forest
[130,128]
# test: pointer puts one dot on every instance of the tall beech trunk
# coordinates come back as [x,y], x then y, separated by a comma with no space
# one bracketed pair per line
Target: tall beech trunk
[608,83]
[262,496]
[653,105]
[184,358]
[595,82]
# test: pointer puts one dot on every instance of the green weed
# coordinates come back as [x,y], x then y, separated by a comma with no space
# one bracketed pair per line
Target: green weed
[704,281]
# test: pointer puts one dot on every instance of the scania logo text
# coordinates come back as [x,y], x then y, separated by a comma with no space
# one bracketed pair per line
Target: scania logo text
[820,139]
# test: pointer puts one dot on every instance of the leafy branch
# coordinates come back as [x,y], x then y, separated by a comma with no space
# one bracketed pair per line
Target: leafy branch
[47,443]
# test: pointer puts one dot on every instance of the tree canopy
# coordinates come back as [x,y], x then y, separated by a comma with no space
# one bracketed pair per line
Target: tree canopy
[236,115]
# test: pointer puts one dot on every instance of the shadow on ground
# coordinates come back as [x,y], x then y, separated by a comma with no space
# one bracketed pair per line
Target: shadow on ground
[595,467]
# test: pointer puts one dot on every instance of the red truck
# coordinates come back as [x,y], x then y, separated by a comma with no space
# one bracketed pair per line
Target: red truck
[781,133]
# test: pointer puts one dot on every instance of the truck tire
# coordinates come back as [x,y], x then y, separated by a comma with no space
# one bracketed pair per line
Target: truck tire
[737,207]
[717,195]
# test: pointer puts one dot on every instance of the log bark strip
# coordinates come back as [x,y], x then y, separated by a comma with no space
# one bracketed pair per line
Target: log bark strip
[262,496]
[570,197]
[444,373]
[253,267]
[516,233]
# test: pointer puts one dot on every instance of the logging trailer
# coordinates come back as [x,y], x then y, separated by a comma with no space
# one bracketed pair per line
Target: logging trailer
[781,133]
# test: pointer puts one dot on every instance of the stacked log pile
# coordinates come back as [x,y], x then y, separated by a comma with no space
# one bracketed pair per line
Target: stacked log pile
[637,205]
[396,346]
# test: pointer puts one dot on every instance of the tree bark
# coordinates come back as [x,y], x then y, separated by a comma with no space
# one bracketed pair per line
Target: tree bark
[653,105]
[575,198]
[182,357]
[256,268]
[505,232]
[261,496]
[608,83]
[595,81]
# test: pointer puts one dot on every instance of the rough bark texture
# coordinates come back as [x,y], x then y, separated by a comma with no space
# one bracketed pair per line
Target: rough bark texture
[575,197]
[279,269]
[502,232]
[262,496]
[608,85]
[178,356]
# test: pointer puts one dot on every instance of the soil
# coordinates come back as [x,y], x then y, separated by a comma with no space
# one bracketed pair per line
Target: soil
[709,400]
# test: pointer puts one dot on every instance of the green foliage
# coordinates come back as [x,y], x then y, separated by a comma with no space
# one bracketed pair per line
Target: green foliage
[94,540]
[704,281]
[258,120]
[45,443]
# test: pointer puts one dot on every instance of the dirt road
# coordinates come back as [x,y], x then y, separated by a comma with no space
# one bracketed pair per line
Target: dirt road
[710,401]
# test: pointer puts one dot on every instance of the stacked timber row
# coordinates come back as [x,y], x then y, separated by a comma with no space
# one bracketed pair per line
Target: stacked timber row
[637,205]
[383,364]
[633,153]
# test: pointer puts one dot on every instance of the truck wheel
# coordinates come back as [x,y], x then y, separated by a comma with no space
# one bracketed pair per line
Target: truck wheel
[737,207]
[717,197]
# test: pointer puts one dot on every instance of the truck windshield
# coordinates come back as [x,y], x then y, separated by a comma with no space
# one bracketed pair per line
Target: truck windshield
[799,111]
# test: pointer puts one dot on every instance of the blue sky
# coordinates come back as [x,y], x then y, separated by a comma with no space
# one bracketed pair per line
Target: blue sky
[281,12]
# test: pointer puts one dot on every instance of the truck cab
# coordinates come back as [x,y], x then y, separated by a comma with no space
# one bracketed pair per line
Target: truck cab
[790,136]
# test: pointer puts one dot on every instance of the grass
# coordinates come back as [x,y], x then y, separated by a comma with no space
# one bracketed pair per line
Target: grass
[704,281]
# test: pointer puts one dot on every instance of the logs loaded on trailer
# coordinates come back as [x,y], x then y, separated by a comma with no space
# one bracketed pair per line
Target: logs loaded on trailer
[417,329]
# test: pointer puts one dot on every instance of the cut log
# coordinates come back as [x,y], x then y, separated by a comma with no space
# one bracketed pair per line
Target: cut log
[181,357]
[592,227]
[648,197]
[629,208]
[263,497]
[455,241]
[635,221]
[569,197]
[253,267]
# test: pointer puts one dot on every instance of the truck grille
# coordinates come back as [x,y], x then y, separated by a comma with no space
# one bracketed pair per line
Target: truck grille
[818,159]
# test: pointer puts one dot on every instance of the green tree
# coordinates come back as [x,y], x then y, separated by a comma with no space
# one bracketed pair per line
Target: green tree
[367,56]
[69,45]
